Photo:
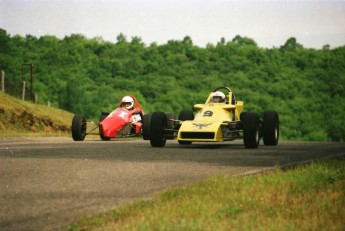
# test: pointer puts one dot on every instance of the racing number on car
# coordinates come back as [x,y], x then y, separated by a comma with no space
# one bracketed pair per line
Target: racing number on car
[207,114]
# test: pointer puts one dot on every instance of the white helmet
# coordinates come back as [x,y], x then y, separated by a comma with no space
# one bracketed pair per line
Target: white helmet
[218,97]
[127,102]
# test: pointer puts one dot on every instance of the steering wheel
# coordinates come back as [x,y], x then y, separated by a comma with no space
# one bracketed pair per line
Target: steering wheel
[218,88]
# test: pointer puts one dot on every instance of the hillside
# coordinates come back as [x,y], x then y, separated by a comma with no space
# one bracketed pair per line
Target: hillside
[19,117]
[88,76]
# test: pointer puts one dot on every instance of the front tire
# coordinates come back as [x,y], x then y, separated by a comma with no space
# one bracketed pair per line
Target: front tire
[146,126]
[251,125]
[270,128]
[157,125]
[78,128]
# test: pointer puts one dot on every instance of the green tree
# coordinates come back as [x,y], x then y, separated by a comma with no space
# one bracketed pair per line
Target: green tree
[305,86]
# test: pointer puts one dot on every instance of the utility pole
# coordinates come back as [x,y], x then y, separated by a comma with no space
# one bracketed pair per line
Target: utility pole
[23,91]
[2,80]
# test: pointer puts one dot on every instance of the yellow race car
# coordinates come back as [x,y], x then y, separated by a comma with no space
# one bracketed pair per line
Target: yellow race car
[220,118]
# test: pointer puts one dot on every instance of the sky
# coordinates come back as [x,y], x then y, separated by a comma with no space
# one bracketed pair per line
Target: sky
[270,23]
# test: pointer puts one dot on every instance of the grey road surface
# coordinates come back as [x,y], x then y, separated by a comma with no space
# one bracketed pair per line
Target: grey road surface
[46,183]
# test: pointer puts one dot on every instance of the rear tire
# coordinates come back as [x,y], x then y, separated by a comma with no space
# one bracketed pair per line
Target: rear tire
[270,128]
[251,136]
[157,125]
[78,128]
[146,126]
[101,118]
[242,116]
[186,115]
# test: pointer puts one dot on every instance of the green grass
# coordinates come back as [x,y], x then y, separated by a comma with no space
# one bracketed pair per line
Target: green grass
[22,118]
[305,198]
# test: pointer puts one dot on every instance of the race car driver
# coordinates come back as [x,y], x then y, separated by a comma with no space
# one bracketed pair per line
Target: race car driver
[127,102]
[218,97]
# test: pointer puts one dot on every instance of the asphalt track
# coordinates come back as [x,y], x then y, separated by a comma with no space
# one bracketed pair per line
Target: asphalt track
[46,183]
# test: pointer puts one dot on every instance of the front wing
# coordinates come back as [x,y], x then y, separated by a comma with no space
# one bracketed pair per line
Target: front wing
[197,131]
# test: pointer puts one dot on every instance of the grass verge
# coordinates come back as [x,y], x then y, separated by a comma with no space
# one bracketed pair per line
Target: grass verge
[308,197]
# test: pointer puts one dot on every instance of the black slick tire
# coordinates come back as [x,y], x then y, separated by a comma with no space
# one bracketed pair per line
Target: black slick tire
[78,128]
[270,128]
[186,115]
[146,126]
[251,126]
[157,125]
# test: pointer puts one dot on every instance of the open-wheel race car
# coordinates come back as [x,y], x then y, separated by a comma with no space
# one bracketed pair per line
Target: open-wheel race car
[124,121]
[220,118]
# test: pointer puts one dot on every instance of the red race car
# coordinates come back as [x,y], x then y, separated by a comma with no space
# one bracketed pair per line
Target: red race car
[124,121]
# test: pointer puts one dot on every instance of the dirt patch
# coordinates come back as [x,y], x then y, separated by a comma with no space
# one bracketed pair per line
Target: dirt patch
[30,122]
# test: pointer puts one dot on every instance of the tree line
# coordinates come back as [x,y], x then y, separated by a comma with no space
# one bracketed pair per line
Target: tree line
[88,76]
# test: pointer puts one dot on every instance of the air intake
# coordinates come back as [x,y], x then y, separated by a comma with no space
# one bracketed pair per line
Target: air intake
[197,135]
